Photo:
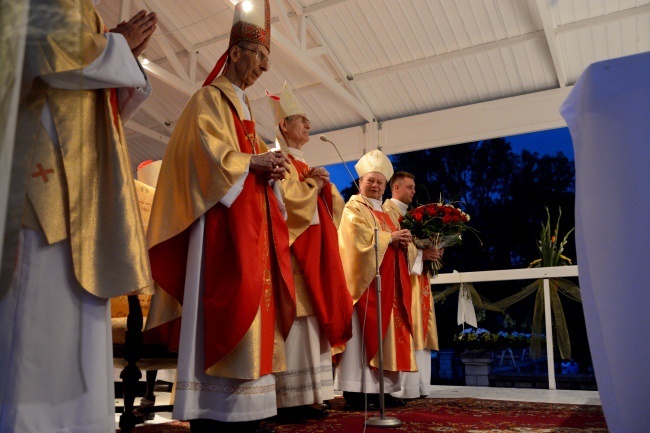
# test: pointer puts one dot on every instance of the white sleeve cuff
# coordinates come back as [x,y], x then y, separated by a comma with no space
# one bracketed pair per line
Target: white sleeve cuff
[115,67]
[416,269]
[131,98]
[277,192]
[234,191]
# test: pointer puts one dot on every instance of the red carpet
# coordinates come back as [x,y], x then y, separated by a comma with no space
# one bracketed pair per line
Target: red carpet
[464,415]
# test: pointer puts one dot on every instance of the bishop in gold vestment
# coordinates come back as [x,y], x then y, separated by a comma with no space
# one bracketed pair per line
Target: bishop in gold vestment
[219,246]
[74,235]
[361,215]
[324,304]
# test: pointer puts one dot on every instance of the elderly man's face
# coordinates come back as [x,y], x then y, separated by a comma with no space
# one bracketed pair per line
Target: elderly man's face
[373,185]
[251,61]
[404,190]
[295,130]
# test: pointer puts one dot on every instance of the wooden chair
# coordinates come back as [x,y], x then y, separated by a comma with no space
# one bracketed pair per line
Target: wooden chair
[130,353]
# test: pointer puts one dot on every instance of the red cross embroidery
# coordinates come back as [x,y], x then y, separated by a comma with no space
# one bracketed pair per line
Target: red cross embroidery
[42,173]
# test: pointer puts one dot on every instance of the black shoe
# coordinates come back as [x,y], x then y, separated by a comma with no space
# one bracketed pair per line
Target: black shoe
[213,426]
[312,412]
[359,407]
[327,405]
[290,415]
[390,401]
[359,401]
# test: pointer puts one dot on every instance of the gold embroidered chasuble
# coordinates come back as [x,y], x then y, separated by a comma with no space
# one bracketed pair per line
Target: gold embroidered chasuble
[300,199]
[424,336]
[84,190]
[202,162]
[356,246]
[199,177]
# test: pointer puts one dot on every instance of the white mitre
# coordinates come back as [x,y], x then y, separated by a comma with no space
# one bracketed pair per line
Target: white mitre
[375,161]
[284,105]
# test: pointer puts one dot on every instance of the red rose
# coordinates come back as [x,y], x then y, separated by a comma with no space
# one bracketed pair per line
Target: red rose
[446,219]
[417,216]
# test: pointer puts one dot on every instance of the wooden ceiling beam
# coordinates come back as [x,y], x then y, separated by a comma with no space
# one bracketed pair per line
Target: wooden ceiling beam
[551,40]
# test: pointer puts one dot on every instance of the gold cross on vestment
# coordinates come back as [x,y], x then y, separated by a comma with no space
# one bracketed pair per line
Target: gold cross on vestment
[42,173]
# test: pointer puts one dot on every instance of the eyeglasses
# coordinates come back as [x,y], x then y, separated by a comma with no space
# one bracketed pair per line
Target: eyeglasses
[259,56]
[304,119]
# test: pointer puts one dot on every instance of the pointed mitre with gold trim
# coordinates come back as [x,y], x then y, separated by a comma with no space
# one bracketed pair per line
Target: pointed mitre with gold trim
[251,23]
[284,105]
[375,161]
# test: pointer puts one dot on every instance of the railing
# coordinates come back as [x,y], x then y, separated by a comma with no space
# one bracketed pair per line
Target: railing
[520,274]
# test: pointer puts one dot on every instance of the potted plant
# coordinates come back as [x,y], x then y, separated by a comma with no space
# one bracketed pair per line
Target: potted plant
[476,346]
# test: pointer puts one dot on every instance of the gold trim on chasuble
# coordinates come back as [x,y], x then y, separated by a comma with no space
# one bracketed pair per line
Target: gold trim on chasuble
[398,331]
[421,293]
[211,165]
[244,361]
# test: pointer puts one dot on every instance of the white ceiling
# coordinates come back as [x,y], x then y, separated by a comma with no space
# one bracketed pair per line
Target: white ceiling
[355,63]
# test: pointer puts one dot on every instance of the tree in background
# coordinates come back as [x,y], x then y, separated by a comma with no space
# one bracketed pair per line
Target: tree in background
[505,193]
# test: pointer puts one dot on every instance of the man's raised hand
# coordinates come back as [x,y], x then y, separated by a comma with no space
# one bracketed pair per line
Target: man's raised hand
[137,31]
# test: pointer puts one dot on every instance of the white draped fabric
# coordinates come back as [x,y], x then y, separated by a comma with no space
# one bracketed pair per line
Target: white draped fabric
[416,383]
[199,395]
[608,114]
[56,353]
[309,376]
[466,312]
[353,374]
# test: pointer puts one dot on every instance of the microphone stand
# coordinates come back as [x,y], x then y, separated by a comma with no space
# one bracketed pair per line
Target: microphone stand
[382,420]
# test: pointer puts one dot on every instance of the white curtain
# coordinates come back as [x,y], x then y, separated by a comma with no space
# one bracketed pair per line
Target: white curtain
[608,113]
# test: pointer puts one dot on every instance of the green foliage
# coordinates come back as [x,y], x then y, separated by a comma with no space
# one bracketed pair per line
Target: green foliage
[550,249]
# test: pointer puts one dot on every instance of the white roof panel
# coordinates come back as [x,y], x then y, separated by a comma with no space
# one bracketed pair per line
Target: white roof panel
[386,59]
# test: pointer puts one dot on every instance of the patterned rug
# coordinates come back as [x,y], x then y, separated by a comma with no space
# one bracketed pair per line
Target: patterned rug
[463,415]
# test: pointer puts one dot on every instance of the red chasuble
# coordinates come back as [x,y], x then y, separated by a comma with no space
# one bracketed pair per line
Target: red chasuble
[246,267]
[395,301]
[317,253]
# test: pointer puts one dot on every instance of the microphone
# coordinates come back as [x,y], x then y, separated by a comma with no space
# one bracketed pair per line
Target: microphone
[382,420]
[324,138]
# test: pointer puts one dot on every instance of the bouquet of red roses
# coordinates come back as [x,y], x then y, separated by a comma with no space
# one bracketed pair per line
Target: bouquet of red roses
[435,224]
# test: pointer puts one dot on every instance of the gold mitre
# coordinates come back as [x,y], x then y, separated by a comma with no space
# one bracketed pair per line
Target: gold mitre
[284,105]
[251,23]
[376,161]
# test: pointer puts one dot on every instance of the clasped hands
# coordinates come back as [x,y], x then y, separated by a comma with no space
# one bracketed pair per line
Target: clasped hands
[320,175]
[137,31]
[272,164]
[401,238]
